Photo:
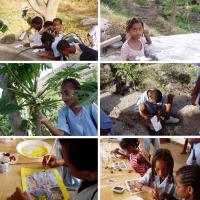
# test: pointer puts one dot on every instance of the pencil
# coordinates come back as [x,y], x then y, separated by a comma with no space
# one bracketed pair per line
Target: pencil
[50,154]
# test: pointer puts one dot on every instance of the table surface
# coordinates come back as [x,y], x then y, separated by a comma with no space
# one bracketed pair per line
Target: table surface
[12,179]
[110,178]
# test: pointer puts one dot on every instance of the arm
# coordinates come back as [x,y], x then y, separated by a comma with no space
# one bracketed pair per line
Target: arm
[195,91]
[147,37]
[144,112]
[50,127]
[124,52]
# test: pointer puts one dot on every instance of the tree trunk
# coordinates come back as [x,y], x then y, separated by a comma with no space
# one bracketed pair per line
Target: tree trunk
[46,9]
[173,19]
[15,119]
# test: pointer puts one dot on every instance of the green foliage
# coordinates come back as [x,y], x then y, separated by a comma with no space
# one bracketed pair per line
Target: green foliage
[195,9]
[3,27]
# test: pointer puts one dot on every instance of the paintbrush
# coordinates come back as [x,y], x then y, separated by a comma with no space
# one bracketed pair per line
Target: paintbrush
[50,154]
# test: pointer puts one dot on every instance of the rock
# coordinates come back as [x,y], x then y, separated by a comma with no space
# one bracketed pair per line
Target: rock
[89,21]
[104,24]
[194,17]
[8,39]
[189,111]
[116,45]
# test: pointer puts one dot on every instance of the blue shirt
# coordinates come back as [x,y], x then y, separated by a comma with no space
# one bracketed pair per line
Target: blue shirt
[83,124]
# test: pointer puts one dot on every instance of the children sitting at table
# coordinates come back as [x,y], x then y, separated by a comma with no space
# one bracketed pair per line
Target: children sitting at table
[188,182]
[87,172]
[138,158]
[195,96]
[76,51]
[73,120]
[36,23]
[152,103]
[158,180]
[133,48]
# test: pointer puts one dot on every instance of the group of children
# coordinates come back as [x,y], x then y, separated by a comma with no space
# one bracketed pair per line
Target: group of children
[157,173]
[58,46]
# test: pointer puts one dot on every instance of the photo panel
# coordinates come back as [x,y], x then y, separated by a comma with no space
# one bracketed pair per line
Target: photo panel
[48,168]
[49,30]
[48,99]
[150,99]
[147,168]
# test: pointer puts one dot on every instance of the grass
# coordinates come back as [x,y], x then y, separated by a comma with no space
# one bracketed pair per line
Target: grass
[70,13]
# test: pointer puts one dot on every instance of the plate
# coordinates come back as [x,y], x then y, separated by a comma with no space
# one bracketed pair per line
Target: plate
[33,148]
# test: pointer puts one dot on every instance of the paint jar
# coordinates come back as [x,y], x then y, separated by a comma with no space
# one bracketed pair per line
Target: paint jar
[4,167]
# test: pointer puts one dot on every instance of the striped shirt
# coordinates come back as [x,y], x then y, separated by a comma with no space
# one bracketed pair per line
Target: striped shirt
[139,168]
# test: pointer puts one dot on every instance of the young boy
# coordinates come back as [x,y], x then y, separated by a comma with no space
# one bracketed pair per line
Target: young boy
[36,23]
[196,93]
[76,51]
[152,103]
[57,26]
[73,120]
[77,165]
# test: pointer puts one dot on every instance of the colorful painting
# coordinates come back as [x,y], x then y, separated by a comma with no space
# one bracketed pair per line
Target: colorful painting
[43,185]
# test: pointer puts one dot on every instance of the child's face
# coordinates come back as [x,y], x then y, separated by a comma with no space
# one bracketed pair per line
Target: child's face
[67,95]
[136,31]
[130,150]
[57,26]
[181,189]
[37,26]
[65,51]
[161,168]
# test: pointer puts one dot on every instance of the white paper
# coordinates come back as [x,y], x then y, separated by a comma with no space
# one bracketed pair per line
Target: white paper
[19,46]
[37,50]
[197,100]
[156,124]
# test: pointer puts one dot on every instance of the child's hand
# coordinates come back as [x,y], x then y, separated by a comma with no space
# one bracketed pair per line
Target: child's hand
[53,162]
[43,118]
[18,195]
[154,194]
[164,196]
[27,45]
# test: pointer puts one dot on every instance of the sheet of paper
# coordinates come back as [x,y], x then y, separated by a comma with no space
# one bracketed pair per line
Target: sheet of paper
[43,185]
[37,50]
[156,124]
[119,165]
[197,102]
[18,46]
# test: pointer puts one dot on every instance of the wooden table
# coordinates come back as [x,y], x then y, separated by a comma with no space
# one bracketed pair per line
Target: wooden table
[108,180]
[12,179]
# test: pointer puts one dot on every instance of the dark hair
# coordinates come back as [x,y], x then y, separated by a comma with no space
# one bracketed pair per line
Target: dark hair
[191,177]
[132,21]
[165,155]
[73,82]
[47,23]
[87,57]
[155,94]
[78,151]
[57,19]
[47,39]
[62,44]
[36,20]
[127,142]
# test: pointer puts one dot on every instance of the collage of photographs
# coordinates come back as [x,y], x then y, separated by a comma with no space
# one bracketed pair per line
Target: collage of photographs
[100,100]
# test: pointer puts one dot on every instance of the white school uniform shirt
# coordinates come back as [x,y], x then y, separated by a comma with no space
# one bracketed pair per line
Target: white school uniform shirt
[165,186]
[36,39]
[78,125]
[56,53]
[89,193]
[196,152]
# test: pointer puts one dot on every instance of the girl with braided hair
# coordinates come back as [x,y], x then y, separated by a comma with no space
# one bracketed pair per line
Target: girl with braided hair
[158,180]
[133,48]
[188,182]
